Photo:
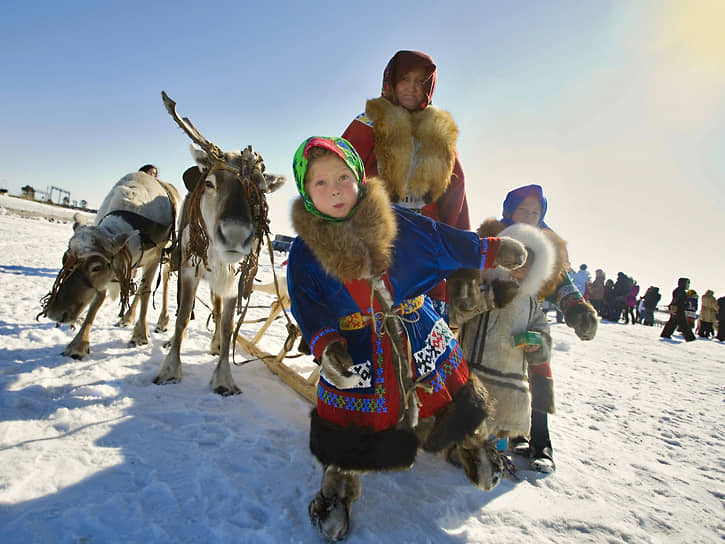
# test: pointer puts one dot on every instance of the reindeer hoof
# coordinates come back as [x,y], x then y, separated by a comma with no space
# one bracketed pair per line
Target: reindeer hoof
[160,329]
[225,391]
[77,352]
[158,380]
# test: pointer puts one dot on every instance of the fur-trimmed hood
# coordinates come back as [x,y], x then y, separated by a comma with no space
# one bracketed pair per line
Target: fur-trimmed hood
[358,248]
[416,152]
[559,267]
[541,262]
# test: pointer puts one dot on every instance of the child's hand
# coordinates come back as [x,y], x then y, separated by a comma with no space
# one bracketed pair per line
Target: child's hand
[336,362]
[529,348]
[511,253]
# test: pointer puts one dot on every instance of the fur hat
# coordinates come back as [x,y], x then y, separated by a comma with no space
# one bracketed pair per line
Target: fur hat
[340,147]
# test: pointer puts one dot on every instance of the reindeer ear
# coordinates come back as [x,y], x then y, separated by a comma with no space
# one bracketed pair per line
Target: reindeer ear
[119,240]
[199,155]
[274,182]
[78,220]
[191,177]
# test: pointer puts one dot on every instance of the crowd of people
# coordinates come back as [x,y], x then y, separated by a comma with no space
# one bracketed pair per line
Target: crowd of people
[620,301]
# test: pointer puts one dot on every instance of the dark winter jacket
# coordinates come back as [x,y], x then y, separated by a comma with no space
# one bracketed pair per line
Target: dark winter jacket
[679,296]
[652,298]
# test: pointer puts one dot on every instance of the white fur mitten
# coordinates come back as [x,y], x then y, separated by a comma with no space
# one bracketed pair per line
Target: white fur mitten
[335,366]
[511,253]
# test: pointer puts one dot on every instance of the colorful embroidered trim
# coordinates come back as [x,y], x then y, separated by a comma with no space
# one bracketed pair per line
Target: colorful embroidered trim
[358,320]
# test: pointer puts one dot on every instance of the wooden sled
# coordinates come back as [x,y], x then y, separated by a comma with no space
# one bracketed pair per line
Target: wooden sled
[307,387]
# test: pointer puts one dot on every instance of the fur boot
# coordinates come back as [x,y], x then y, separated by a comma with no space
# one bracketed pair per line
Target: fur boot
[330,509]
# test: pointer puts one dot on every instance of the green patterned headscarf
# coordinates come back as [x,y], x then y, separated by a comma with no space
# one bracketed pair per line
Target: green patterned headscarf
[340,147]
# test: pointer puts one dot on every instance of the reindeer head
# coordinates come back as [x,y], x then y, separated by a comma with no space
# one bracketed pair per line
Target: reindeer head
[227,208]
[90,263]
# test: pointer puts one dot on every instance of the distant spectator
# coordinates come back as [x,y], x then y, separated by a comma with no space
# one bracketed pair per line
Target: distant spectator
[595,290]
[622,287]
[650,300]
[581,277]
[678,317]
[609,308]
[630,302]
[708,314]
[691,311]
[150,169]
[720,319]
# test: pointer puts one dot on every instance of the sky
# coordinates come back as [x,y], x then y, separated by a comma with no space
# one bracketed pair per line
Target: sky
[91,451]
[616,108]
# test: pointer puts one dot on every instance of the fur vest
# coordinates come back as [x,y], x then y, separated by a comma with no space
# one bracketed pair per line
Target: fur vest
[416,151]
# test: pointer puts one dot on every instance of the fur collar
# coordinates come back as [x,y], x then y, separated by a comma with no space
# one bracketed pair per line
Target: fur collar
[359,248]
[416,152]
[560,266]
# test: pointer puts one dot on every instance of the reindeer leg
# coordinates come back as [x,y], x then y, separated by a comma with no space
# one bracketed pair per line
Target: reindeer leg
[330,509]
[171,367]
[140,334]
[80,345]
[222,382]
[163,323]
[216,314]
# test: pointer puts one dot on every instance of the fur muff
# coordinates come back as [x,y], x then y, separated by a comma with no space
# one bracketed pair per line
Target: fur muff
[359,248]
[461,418]
[416,152]
[358,448]
[493,227]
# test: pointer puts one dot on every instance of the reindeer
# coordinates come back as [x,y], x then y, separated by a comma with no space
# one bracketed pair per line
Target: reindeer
[223,223]
[134,224]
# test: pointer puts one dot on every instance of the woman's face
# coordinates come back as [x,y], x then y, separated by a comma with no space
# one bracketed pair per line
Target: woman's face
[409,89]
[529,211]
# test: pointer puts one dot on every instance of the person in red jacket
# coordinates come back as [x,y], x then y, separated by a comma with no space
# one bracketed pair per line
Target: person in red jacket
[411,144]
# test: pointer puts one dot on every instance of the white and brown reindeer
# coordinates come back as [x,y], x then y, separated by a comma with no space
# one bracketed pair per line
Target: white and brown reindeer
[223,223]
[134,224]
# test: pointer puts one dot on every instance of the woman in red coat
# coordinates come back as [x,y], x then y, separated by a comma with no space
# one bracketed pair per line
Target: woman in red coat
[411,144]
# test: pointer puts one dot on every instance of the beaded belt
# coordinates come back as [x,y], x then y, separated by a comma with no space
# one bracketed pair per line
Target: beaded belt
[358,320]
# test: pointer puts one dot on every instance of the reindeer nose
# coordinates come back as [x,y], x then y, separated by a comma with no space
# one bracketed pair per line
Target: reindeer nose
[234,233]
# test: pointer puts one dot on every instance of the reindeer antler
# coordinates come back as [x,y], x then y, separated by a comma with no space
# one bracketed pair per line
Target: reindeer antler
[187,126]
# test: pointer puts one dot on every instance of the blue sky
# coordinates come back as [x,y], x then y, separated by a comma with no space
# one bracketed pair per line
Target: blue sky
[616,108]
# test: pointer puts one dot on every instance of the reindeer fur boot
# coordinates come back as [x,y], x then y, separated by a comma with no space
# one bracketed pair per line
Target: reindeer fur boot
[330,509]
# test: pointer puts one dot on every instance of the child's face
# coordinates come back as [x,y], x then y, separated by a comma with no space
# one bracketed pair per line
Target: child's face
[332,186]
[409,89]
[529,211]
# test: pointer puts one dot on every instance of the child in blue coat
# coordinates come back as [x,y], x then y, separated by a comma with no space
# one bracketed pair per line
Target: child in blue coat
[392,376]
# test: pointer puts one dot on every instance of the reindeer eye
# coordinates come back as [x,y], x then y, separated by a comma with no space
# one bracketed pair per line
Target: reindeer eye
[209,184]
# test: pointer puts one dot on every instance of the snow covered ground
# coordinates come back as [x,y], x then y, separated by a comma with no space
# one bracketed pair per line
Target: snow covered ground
[92,451]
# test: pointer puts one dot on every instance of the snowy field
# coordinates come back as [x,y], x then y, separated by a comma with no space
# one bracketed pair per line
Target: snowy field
[92,451]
